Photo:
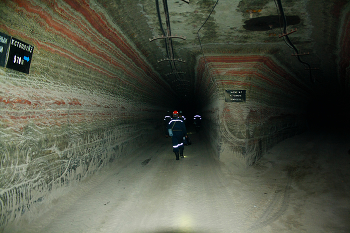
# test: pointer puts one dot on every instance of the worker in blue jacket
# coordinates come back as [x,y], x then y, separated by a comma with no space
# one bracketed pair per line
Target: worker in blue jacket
[167,119]
[177,131]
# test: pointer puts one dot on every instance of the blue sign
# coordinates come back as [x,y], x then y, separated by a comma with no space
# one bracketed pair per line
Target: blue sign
[20,56]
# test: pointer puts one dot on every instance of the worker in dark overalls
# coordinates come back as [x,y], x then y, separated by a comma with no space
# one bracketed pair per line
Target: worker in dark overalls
[182,117]
[167,119]
[177,131]
[197,120]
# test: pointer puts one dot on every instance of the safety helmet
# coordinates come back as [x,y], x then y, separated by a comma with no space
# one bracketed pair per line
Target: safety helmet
[175,112]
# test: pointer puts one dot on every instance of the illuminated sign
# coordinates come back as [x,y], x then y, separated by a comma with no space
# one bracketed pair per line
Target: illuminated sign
[235,95]
[4,47]
[20,56]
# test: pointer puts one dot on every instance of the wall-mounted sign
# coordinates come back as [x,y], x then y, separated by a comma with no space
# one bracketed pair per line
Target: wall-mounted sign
[4,47]
[235,95]
[20,56]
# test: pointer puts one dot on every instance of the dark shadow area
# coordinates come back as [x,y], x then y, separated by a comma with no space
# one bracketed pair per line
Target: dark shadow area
[265,23]
[329,112]
[189,110]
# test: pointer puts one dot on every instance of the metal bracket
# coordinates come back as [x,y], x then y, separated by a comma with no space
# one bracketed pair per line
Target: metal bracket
[167,59]
[301,54]
[164,37]
[292,31]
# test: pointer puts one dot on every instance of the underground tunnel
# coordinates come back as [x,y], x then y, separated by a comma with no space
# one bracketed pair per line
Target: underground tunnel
[85,86]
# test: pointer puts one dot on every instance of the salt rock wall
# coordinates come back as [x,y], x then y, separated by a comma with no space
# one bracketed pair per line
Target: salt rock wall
[240,132]
[344,48]
[341,107]
[90,97]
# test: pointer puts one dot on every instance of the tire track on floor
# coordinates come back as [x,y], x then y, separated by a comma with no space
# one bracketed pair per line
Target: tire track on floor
[273,209]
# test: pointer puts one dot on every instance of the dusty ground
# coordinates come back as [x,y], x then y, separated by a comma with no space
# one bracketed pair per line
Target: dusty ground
[301,185]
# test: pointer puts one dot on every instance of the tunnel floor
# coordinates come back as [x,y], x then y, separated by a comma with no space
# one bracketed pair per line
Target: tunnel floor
[300,185]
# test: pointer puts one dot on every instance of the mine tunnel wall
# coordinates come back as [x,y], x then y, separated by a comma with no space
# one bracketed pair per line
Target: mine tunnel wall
[274,108]
[89,98]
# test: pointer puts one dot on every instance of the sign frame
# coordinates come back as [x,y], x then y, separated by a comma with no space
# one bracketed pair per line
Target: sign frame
[235,95]
[20,55]
[4,48]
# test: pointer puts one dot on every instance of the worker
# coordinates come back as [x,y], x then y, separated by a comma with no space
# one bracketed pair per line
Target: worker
[182,117]
[167,119]
[197,122]
[177,130]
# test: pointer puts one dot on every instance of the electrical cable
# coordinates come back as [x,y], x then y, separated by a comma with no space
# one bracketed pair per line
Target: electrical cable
[199,39]
[200,43]
[162,29]
[170,42]
[288,40]
[167,36]
[160,18]
[278,13]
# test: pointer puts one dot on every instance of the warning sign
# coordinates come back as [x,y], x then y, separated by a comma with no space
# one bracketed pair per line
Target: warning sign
[235,95]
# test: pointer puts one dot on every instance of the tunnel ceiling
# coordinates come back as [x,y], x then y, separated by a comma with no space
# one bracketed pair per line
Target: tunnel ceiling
[234,27]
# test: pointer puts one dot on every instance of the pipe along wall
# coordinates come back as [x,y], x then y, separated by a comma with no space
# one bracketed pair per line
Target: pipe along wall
[92,97]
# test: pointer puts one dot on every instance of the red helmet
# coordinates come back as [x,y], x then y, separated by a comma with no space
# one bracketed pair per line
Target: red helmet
[175,112]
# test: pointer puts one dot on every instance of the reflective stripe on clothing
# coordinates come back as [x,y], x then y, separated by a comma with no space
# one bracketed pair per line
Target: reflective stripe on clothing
[178,145]
[174,121]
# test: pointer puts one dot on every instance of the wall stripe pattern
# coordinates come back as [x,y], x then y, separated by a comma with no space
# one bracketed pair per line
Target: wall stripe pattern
[90,98]
[241,131]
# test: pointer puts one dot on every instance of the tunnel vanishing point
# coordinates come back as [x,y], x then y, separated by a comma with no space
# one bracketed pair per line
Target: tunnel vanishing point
[83,83]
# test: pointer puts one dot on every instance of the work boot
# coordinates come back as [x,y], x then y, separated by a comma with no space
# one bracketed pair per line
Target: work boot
[182,153]
[177,155]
